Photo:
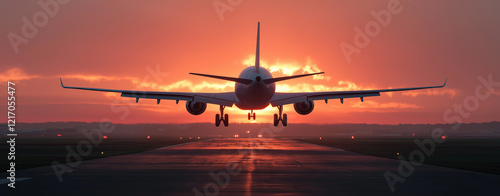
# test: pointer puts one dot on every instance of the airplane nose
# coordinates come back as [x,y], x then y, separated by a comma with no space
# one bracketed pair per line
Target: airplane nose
[258,78]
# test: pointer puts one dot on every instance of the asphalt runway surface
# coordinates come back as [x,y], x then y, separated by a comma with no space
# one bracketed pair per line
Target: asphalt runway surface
[248,166]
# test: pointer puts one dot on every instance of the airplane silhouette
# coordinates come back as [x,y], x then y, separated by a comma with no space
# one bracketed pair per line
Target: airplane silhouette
[254,90]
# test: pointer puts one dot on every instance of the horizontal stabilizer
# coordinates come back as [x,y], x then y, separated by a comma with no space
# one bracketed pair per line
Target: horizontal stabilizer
[239,80]
[272,80]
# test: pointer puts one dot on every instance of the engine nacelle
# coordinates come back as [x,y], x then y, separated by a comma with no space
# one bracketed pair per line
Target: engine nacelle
[304,108]
[196,108]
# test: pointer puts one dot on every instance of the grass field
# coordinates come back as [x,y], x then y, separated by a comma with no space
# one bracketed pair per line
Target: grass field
[474,154]
[36,152]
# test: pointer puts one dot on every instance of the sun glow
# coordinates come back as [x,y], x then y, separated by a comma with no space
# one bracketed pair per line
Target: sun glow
[288,68]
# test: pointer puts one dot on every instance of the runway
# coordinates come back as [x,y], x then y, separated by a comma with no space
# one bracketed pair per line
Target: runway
[249,166]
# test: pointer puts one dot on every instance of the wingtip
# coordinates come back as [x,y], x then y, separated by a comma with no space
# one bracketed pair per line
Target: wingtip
[446,79]
[62,85]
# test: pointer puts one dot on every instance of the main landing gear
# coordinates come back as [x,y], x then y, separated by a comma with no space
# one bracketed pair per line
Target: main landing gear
[282,119]
[251,114]
[219,117]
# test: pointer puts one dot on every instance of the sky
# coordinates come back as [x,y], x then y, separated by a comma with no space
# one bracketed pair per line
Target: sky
[153,45]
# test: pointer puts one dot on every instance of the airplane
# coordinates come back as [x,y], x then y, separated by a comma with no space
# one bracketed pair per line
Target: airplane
[254,90]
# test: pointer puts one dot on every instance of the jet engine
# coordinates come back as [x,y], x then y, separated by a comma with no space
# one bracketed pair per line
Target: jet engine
[304,108]
[195,108]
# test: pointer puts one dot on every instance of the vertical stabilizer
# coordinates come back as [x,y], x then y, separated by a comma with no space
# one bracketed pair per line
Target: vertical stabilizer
[257,53]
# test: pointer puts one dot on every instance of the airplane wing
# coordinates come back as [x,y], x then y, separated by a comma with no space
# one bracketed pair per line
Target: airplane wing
[225,99]
[290,98]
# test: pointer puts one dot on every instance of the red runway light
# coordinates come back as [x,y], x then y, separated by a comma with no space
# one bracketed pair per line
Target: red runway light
[58,135]
[443,137]
[105,137]
[352,137]
[148,137]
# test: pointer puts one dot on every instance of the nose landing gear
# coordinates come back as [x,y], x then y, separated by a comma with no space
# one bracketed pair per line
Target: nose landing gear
[251,114]
[221,117]
[283,118]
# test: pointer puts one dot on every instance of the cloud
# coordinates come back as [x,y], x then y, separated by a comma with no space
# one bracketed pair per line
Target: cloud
[288,68]
[112,95]
[188,85]
[304,87]
[16,74]
[389,105]
[163,109]
[204,86]
[96,78]
[450,92]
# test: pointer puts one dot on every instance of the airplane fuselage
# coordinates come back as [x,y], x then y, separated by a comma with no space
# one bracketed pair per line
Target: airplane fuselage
[256,95]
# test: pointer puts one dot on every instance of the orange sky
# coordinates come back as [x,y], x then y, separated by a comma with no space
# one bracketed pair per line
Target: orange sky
[118,44]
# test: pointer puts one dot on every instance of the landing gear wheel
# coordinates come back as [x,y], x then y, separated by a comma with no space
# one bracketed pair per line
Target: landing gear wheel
[254,116]
[282,117]
[217,120]
[221,117]
[248,116]
[226,120]
[276,120]
[284,121]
